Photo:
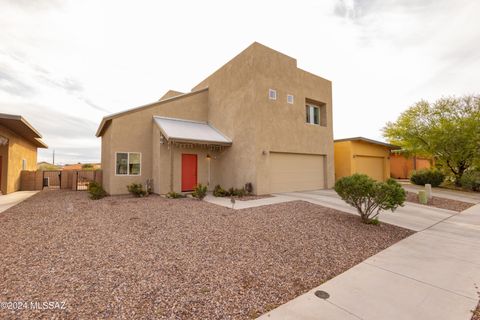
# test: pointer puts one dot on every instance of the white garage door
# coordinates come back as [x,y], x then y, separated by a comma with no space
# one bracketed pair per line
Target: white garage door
[296,172]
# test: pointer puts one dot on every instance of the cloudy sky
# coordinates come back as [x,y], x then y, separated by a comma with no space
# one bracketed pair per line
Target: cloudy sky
[66,64]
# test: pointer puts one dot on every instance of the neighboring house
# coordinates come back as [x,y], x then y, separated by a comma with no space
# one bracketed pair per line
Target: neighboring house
[402,166]
[45,166]
[82,166]
[257,119]
[18,150]
[362,155]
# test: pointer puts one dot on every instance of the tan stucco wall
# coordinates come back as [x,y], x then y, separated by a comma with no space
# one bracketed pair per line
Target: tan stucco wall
[343,159]
[18,148]
[237,104]
[132,132]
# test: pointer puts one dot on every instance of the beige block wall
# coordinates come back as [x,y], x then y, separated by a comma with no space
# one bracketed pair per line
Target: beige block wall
[132,132]
[18,149]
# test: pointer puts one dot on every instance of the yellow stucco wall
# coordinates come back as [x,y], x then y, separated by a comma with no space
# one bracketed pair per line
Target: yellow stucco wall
[348,153]
[17,149]
[343,159]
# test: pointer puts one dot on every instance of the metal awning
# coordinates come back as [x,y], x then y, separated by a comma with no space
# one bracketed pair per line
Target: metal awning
[187,131]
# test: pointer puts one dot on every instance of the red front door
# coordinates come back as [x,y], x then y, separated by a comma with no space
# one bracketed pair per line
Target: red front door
[189,172]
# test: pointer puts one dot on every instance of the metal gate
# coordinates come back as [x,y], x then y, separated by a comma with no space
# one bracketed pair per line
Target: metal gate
[52,179]
[84,177]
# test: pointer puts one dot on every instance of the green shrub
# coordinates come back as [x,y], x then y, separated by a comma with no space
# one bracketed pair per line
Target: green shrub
[425,176]
[137,190]
[232,192]
[96,191]
[239,192]
[200,191]
[175,195]
[219,191]
[471,180]
[369,197]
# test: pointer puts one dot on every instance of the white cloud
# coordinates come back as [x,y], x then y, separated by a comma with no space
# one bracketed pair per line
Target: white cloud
[75,61]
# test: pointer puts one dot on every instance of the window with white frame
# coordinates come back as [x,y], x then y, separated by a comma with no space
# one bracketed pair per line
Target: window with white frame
[24,164]
[290,98]
[128,163]
[312,114]
[272,94]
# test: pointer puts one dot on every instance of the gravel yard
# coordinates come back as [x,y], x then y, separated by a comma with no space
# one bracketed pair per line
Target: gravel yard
[442,203]
[129,258]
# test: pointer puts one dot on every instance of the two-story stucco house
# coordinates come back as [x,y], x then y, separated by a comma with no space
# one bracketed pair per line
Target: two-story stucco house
[258,119]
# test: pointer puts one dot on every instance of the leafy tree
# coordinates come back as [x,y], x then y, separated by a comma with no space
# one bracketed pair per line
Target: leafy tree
[87,166]
[448,130]
[369,197]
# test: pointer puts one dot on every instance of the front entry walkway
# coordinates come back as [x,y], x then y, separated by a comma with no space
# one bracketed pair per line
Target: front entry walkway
[14,198]
[433,274]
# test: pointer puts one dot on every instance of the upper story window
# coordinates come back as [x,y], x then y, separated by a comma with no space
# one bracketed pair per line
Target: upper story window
[290,98]
[24,164]
[128,163]
[272,94]
[312,114]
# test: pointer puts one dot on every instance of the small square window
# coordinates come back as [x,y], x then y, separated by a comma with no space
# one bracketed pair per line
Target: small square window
[290,98]
[272,94]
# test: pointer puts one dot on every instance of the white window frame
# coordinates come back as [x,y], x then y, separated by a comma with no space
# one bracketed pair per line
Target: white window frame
[290,99]
[128,162]
[311,110]
[24,164]
[272,94]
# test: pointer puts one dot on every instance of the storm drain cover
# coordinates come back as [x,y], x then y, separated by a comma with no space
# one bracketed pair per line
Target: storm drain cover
[322,294]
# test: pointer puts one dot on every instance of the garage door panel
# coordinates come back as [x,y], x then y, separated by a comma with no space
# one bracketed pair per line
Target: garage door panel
[296,172]
[371,166]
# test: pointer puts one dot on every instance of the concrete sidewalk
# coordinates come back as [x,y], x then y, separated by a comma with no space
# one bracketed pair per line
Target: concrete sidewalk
[240,204]
[14,198]
[433,274]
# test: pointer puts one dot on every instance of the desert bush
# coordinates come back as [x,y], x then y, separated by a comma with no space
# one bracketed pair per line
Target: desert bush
[137,190]
[471,180]
[369,197]
[239,192]
[175,195]
[200,191]
[96,191]
[248,188]
[425,176]
[218,191]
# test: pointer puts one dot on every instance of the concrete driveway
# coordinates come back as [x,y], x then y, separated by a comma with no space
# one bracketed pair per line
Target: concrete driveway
[470,197]
[433,274]
[412,216]
[14,198]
